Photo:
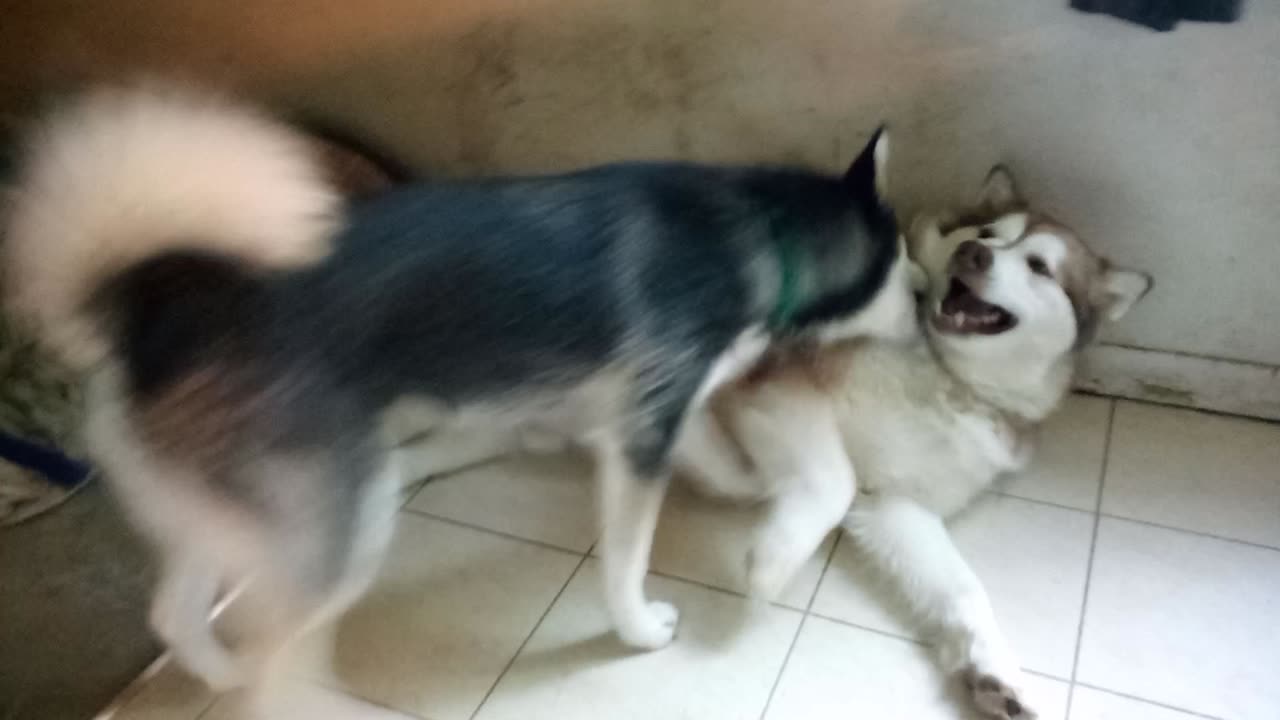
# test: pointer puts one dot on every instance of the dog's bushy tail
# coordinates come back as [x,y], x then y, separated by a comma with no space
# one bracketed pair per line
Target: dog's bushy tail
[126,175]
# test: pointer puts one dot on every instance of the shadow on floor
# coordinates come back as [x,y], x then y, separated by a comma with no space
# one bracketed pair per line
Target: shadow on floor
[73,607]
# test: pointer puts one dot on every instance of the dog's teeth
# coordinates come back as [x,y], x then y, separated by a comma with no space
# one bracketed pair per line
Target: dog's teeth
[960,318]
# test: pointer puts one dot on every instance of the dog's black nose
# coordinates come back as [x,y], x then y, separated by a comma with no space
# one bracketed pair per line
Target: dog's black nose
[971,256]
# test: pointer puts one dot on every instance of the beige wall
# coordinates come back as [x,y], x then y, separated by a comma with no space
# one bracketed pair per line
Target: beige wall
[1163,149]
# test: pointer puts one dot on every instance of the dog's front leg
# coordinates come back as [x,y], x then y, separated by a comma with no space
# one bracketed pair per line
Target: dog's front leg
[912,546]
[629,506]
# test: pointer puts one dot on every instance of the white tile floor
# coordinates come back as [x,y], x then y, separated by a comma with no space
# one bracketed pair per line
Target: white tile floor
[1164,605]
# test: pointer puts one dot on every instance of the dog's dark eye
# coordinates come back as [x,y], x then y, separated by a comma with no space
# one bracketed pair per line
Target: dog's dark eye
[986,233]
[1038,266]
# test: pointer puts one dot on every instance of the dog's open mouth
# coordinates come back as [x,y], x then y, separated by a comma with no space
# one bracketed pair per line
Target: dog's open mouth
[963,312]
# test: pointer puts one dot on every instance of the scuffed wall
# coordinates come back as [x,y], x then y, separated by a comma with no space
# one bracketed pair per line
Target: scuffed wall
[1163,149]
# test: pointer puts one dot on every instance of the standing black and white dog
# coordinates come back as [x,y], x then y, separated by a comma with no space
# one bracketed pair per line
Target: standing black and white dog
[248,339]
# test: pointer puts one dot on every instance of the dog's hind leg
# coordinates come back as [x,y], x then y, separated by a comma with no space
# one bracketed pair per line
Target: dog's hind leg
[180,617]
[794,443]
[912,546]
[629,507]
[709,459]
[320,564]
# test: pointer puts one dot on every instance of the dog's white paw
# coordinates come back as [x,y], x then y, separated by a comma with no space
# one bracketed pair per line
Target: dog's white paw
[994,697]
[652,629]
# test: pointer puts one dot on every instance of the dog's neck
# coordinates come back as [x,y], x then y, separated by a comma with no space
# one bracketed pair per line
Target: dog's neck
[1025,393]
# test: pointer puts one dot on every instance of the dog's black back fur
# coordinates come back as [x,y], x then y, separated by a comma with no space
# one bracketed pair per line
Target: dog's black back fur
[489,291]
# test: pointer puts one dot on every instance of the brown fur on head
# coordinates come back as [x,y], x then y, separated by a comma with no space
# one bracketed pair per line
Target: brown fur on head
[1012,229]
[1014,294]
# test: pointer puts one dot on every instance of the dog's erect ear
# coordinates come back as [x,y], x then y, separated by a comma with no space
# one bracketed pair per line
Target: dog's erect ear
[999,191]
[868,173]
[1117,290]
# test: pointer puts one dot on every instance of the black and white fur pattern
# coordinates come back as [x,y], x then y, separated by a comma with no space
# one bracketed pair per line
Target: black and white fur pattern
[252,346]
[889,437]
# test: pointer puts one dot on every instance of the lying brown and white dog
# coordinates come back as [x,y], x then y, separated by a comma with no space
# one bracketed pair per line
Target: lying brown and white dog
[911,433]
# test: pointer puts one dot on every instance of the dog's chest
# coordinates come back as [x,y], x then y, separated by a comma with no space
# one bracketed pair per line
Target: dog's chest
[909,433]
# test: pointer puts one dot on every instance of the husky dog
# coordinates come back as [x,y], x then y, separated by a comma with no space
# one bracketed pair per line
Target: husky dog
[916,430]
[248,338]
[912,429]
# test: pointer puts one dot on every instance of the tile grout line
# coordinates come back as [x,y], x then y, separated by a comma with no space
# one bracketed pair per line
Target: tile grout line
[207,709]
[1184,408]
[1038,501]
[917,641]
[717,589]
[1194,533]
[589,554]
[414,490]
[782,669]
[1093,549]
[1047,676]
[541,619]
[868,628]
[1138,520]
[499,533]
[1157,703]
[1126,518]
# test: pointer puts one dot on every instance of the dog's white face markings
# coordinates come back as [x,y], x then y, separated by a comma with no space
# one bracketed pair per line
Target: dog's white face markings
[1023,281]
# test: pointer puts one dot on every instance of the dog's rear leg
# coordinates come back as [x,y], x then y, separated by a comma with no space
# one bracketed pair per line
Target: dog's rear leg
[912,546]
[180,617]
[321,565]
[709,459]
[794,442]
[629,507]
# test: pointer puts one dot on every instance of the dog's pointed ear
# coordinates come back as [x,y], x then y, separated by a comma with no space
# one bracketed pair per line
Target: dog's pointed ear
[1117,290]
[999,191]
[869,171]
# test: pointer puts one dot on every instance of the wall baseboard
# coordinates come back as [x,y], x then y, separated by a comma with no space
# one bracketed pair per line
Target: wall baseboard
[1226,386]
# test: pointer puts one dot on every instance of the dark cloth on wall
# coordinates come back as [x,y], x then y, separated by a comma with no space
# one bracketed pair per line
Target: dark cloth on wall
[1163,15]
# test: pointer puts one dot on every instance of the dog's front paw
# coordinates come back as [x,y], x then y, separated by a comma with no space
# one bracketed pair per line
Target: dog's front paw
[994,697]
[652,629]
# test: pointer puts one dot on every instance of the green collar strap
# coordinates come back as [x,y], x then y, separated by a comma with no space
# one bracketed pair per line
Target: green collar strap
[784,309]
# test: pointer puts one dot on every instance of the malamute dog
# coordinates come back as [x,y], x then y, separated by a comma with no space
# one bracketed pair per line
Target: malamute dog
[911,432]
[247,338]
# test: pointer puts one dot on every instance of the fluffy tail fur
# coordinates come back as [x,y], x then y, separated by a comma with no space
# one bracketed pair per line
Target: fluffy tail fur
[126,175]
